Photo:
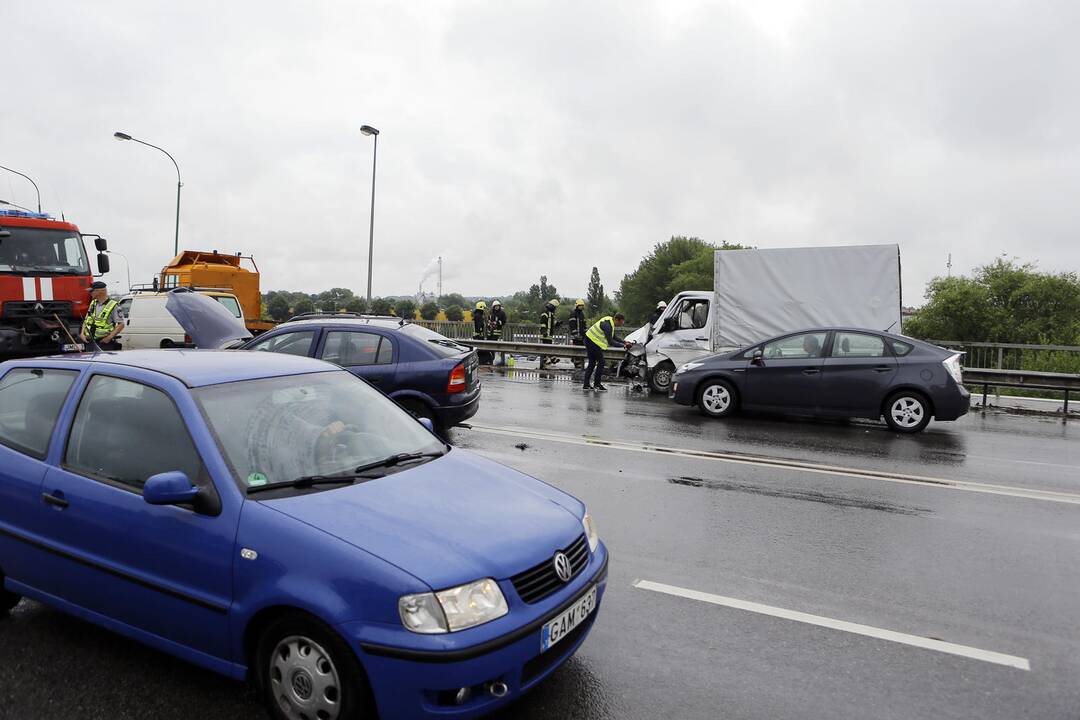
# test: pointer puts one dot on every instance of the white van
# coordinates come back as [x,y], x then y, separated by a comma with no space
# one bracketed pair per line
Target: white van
[149,325]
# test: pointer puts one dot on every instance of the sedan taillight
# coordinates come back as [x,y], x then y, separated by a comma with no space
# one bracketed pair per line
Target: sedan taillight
[457,380]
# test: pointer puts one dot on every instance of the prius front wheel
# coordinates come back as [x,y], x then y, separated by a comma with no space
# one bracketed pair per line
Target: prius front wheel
[307,672]
[716,398]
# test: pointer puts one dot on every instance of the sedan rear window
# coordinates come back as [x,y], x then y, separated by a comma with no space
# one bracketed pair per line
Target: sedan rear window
[441,344]
[30,401]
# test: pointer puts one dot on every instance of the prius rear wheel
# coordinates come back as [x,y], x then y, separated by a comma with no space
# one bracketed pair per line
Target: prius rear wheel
[907,412]
[306,671]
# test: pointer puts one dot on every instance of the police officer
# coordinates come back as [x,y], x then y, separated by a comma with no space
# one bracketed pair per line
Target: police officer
[599,338]
[547,328]
[578,326]
[103,321]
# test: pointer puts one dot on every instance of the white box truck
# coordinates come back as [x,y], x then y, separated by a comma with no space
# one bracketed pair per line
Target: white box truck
[762,293]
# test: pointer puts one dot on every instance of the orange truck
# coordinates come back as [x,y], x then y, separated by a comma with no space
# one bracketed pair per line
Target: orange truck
[198,268]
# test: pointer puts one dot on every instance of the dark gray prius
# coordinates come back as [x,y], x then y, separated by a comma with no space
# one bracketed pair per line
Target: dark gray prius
[837,372]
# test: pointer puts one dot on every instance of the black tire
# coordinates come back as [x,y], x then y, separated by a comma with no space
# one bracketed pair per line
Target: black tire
[167,344]
[660,377]
[8,600]
[417,408]
[298,654]
[717,398]
[907,411]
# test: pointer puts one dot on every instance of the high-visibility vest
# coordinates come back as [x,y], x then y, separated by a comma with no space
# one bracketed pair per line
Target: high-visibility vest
[596,333]
[97,319]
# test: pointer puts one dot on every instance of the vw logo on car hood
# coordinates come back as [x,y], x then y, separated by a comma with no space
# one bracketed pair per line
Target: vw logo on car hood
[562,566]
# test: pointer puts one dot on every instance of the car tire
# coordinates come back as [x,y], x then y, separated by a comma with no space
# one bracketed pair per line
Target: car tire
[717,398]
[907,411]
[660,377]
[306,670]
[8,600]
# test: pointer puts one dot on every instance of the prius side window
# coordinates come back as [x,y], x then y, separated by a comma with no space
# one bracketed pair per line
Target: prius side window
[125,432]
[857,345]
[30,402]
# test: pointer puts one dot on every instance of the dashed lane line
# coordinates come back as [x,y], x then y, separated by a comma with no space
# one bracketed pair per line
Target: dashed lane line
[918,641]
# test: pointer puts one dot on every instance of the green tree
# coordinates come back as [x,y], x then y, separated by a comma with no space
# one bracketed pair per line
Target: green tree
[303,306]
[453,299]
[406,308]
[594,297]
[455,313]
[333,299]
[681,263]
[429,311]
[278,308]
[1001,302]
[381,306]
[357,305]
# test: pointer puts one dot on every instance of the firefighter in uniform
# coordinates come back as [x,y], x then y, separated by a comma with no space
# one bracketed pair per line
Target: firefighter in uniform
[578,326]
[103,321]
[480,332]
[599,338]
[547,328]
[495,326]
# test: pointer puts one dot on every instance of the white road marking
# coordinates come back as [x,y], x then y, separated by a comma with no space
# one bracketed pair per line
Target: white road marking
[29,289]
[46,288]
[795,465]
[850,627]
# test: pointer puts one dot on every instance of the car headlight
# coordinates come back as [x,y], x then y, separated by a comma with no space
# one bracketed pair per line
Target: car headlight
[458,608]
[688,367]
[590,531]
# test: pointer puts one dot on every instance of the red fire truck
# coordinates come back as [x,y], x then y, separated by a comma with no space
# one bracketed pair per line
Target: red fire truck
[45,281]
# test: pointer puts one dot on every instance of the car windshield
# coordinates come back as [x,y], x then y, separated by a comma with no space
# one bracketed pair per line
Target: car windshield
[280,429]
[439,343]
[43,251]
[230,304]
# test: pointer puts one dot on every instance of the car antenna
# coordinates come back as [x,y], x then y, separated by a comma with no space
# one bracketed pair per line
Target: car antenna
[890,327]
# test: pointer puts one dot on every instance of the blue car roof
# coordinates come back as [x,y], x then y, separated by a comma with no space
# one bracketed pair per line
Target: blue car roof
[197,368]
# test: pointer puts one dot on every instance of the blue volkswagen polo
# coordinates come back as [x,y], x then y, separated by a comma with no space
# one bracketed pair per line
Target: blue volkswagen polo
[273,517]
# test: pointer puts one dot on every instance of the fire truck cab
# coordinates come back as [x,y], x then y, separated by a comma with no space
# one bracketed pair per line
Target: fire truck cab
[45,281]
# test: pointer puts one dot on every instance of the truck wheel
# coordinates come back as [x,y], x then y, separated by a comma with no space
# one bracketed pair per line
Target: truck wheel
[306,670]
[716,398]
[907,411]
[660,377]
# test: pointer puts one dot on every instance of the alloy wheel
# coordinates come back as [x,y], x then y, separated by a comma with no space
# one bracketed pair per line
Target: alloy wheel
[907,411]
[716,399]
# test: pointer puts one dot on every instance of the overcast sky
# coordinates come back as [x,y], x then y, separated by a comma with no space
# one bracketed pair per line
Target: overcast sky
[521,138]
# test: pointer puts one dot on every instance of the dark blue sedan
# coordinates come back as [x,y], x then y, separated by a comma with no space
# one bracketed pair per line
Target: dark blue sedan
[274,518]
[839,372]
[428,374]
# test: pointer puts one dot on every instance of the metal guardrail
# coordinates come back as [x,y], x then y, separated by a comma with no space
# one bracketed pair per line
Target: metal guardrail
[1028,379]
[1016,356]
[535,348]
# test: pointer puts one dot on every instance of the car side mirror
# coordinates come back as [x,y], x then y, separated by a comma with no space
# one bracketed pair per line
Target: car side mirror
[426,422]
[669,325]
[4,233]
[756,358]
[169,488]
[101,244]
[102,263]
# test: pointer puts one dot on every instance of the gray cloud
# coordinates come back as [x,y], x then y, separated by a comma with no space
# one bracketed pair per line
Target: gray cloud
[521,138]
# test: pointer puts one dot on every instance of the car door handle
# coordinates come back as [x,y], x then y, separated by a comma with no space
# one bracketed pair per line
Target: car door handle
[882,368]
[811,371]
[701,338]
[54,500]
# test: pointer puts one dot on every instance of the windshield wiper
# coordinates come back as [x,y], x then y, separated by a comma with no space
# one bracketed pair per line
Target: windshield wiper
[397,459]
[305,481]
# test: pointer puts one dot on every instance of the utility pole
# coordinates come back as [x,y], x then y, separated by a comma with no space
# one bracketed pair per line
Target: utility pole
[440,277]
[949,265]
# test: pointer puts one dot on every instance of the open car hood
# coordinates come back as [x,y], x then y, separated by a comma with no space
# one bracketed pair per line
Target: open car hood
[206,321]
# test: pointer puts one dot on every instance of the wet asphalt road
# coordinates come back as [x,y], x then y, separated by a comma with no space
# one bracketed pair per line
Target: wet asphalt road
[968,533]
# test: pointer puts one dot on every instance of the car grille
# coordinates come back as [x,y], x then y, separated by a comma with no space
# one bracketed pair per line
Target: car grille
[539,581]
[23,310]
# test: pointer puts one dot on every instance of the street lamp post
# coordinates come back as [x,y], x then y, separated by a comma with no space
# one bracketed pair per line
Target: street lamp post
[127,266]
[368,130]
[176,236]
[31,182]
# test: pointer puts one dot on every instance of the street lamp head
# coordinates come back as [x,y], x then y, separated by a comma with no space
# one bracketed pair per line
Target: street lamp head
[121,136]
[368,130]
